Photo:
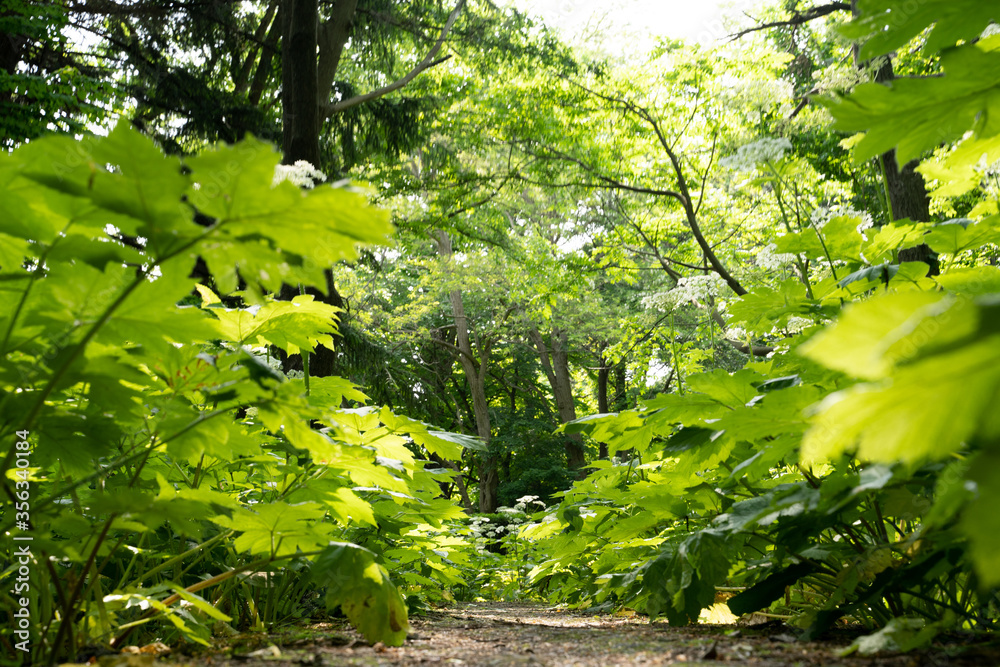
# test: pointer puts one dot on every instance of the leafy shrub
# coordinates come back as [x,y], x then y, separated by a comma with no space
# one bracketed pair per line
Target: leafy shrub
[161,469]
[851,475]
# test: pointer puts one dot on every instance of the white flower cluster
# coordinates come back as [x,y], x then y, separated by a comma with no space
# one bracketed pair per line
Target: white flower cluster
[522,503]
[796,324]
[736,333]
[770,260]
[302,175]
[482,527]
[763,150]
[478,529]
[273,362]
[837,78]
[752,93]
[823,215]
[691,289]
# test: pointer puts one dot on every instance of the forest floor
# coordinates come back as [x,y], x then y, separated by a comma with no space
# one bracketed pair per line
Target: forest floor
[498,634]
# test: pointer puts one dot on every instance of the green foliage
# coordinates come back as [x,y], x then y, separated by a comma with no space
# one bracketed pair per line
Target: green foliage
[848,476]
[153,437]
[359,585]
[43,88]
[916,115]
[887,25]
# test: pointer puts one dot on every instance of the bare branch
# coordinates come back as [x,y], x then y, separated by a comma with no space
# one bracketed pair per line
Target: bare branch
[430,60]
[685,193]
[704,178]
[803,103]
[606,181]
[797,18]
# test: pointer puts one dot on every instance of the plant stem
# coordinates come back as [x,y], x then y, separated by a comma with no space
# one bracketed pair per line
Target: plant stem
[217,579]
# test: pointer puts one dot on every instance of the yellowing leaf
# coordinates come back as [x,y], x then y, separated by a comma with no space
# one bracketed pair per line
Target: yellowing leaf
[924,411]
[856,344]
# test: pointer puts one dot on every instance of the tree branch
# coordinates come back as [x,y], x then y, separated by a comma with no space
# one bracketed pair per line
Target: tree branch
[755,350]
[454,349]
[430,60]
[242,77]
[685,194]
[606,181]
[797,18]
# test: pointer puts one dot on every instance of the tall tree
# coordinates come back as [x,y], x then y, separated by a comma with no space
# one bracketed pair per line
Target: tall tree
[476,371]
[555,362]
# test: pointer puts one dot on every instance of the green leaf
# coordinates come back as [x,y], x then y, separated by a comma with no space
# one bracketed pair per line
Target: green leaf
[766,308]
[363,590]
[911,275]
[889,24]
[277,233]
[446,445]
[899,635]
[842,239]
[145,185]
[973,281]
[685,409]
[623,431]
[349,508]
[187,443]
[200,604]
[151,316]
[980,521]
[805,242]
[276,529]
[917,115]
[332,390]
[299,324]
[763,593]
[730,389]
[959,170]
[926,412]
[680,583]
[775,384]
[882,244]
[778,413]
[955,236]
[857,343]
[881,273]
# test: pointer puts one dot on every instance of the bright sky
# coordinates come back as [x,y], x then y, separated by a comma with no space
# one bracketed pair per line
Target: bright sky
[626,23]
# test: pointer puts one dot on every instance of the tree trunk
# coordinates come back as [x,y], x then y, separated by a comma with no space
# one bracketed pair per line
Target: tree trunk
[475,375]
[620,401]
[621,390]
[333,36]
[905,188]
[267,54]
[603,375]
[556,367]
[300,101]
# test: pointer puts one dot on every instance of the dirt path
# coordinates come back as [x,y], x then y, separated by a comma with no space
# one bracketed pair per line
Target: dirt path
[496,634]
